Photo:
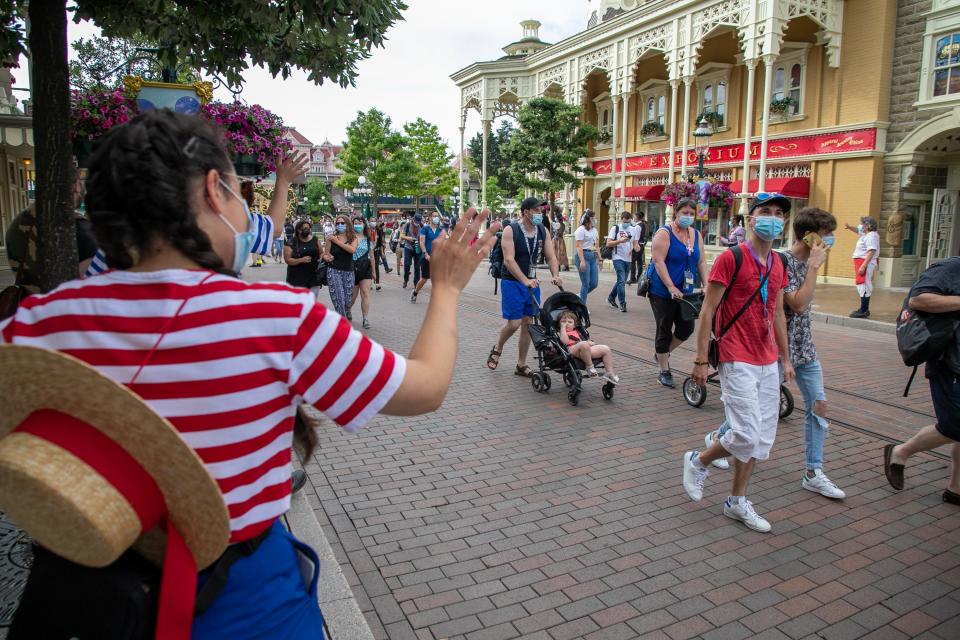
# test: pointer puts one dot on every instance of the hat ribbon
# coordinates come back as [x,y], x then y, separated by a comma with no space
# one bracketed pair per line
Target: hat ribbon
[179,582]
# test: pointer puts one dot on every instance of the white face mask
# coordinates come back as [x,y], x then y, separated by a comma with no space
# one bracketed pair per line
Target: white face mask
[242,242]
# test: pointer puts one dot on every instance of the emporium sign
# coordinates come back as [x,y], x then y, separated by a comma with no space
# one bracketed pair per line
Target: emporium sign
[823,144]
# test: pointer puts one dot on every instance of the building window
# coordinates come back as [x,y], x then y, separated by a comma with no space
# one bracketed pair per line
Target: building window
[789,78]
[946,65]
[604,118]
[653,116]
[712,82]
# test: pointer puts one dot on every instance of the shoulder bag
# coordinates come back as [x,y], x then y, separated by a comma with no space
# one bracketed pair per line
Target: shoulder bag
[320,275]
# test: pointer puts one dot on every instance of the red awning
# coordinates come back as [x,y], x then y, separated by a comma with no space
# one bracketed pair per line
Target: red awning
[649,192]
[790,187]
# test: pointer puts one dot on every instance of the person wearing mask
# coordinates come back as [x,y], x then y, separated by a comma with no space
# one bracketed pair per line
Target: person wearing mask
[410,239]
[362,268]
[288,232]
[557,230]
[379,250]
[937,291]
[866,259]
[178,240]
[521,243]
[338,250]
[678,258]
[639,259]
[620,240]
[813,231]
[586,258]
[395,245]
[737,233]
[302,255]
[748,354]
[427,235]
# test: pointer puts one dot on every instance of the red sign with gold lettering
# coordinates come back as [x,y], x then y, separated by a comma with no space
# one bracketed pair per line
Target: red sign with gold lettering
[822,144]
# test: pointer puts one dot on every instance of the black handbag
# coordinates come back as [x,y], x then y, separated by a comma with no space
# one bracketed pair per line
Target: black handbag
[643,286]
[320,275]
[690,306]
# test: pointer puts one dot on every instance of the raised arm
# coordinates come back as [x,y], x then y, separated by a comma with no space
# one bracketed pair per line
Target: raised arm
[288,168]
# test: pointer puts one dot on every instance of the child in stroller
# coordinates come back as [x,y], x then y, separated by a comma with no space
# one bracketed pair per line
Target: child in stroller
[586,350]
[551,341]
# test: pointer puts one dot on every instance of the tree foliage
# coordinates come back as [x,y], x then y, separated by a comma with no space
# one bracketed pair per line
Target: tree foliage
[318,196]
[545,152]
[375,150]
[101,63]
[497,163]
[434,176]
[496,197]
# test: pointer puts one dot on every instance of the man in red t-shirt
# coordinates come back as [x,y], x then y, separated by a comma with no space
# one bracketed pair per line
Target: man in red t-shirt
[749,375]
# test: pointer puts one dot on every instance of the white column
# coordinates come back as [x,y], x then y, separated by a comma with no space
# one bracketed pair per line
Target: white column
[613,156]
[463,159]
[687,83]
[623,155]
[747,132]
[768,61]
[483,186]
[674,95]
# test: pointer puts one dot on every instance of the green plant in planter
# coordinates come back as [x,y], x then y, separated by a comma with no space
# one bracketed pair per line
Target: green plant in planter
[715,119]
[781,106]
[651,128]
[605,137]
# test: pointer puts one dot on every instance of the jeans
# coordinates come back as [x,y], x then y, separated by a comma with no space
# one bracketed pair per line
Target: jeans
[589,277]
[410,256]
[622,267]
[810,381]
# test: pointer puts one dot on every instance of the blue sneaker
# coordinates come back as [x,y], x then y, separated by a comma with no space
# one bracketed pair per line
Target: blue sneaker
[666,379]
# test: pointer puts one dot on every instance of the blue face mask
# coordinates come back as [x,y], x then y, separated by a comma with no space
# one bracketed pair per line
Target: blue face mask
[768,227]
[685,221]
[358,228]
[829,240]
[242,242]
[859,228]
[537,218]
[341,228]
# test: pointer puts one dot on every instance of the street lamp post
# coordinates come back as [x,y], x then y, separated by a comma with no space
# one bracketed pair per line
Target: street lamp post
[701,137]
[363,191]
[456,201]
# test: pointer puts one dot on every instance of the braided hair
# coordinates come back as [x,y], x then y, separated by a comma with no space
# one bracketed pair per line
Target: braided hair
[141,184]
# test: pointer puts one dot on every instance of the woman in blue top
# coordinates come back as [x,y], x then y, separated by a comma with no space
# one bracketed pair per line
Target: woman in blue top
[677,260]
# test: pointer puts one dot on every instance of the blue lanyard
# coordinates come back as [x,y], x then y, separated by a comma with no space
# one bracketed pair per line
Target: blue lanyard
[762,273]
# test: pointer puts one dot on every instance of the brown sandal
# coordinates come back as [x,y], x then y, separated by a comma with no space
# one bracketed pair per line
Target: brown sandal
[892,470]
[523,371]
[493,359]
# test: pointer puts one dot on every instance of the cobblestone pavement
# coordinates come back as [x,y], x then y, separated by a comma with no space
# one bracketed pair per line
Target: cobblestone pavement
[509,514]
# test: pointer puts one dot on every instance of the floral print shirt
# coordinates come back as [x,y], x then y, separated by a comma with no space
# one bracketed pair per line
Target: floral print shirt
[799,331]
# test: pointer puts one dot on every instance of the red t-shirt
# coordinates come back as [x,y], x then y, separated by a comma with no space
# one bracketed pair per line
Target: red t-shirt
[751,339]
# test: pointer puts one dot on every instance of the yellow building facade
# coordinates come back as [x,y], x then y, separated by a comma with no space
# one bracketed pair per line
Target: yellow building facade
[796,93]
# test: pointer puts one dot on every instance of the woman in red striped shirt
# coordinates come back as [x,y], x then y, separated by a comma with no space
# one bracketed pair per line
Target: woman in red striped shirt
[225,361]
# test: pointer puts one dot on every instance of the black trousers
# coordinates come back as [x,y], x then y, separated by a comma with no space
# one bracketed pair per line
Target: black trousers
[670,324]
[638,262]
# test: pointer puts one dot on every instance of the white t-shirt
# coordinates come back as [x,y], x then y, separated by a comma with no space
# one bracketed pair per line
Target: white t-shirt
[639,233]
[622,251]
[869,241]
[588,237]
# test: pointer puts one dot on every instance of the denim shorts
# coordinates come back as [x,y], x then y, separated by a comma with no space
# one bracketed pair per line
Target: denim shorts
[945,391]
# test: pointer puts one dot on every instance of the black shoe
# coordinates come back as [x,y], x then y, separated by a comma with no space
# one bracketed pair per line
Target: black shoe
[389,270]
[623,307]
[860,313]
[297,480]
[631,282]
[666,379]
[612,303]
[413,297]
[950,497]
[404,285]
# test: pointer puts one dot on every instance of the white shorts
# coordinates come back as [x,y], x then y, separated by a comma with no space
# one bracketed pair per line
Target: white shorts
[865,290]
[751,402]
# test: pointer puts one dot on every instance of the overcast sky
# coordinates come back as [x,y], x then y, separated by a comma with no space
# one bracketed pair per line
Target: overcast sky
[409,78]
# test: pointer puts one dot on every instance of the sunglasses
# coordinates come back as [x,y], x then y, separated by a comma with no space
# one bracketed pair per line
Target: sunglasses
[763,196]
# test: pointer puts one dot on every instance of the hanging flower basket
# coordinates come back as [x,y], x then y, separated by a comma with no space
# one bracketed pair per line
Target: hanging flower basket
[255,136]
[651,129]
[782,106]
[93,114]
[678,191]
[715,119]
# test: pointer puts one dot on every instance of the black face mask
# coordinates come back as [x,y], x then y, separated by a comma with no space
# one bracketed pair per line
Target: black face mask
[304,233]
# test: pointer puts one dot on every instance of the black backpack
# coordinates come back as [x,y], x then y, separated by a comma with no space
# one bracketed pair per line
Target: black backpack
[923,337]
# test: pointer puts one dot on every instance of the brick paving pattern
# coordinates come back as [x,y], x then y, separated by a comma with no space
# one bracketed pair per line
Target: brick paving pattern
[508,514]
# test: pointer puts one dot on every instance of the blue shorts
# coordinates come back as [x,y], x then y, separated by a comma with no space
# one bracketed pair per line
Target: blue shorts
[945,391]
[515,302]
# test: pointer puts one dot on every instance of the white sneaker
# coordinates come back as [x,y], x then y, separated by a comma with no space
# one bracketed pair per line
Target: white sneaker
[823,485]
[719,463]
[743,511]
[693,476]
[612,378]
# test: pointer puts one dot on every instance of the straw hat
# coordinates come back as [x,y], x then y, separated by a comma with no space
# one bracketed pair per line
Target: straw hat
[55,493]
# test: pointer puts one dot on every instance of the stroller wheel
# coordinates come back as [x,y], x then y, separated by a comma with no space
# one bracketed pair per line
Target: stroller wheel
[540,382]
[572,379]
[547,382]
[607,391]
[574,397]
[786,401]
[694,394]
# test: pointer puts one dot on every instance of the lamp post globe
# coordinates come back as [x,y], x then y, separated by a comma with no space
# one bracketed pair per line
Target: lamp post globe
[701,137]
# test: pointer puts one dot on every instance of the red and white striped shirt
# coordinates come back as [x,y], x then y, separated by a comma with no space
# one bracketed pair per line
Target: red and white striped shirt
[229,372]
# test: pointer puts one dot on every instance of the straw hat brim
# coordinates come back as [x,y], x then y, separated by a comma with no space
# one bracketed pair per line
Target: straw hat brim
[34,378]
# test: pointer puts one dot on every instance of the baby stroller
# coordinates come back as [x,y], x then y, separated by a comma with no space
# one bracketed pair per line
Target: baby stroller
[552,354]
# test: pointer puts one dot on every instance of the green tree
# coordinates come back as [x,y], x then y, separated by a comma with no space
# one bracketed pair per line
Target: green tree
[318,195]
[544,153]
[434,176]
[497,162]
[102,63]
[495,195]
[375,150]
[325,38]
